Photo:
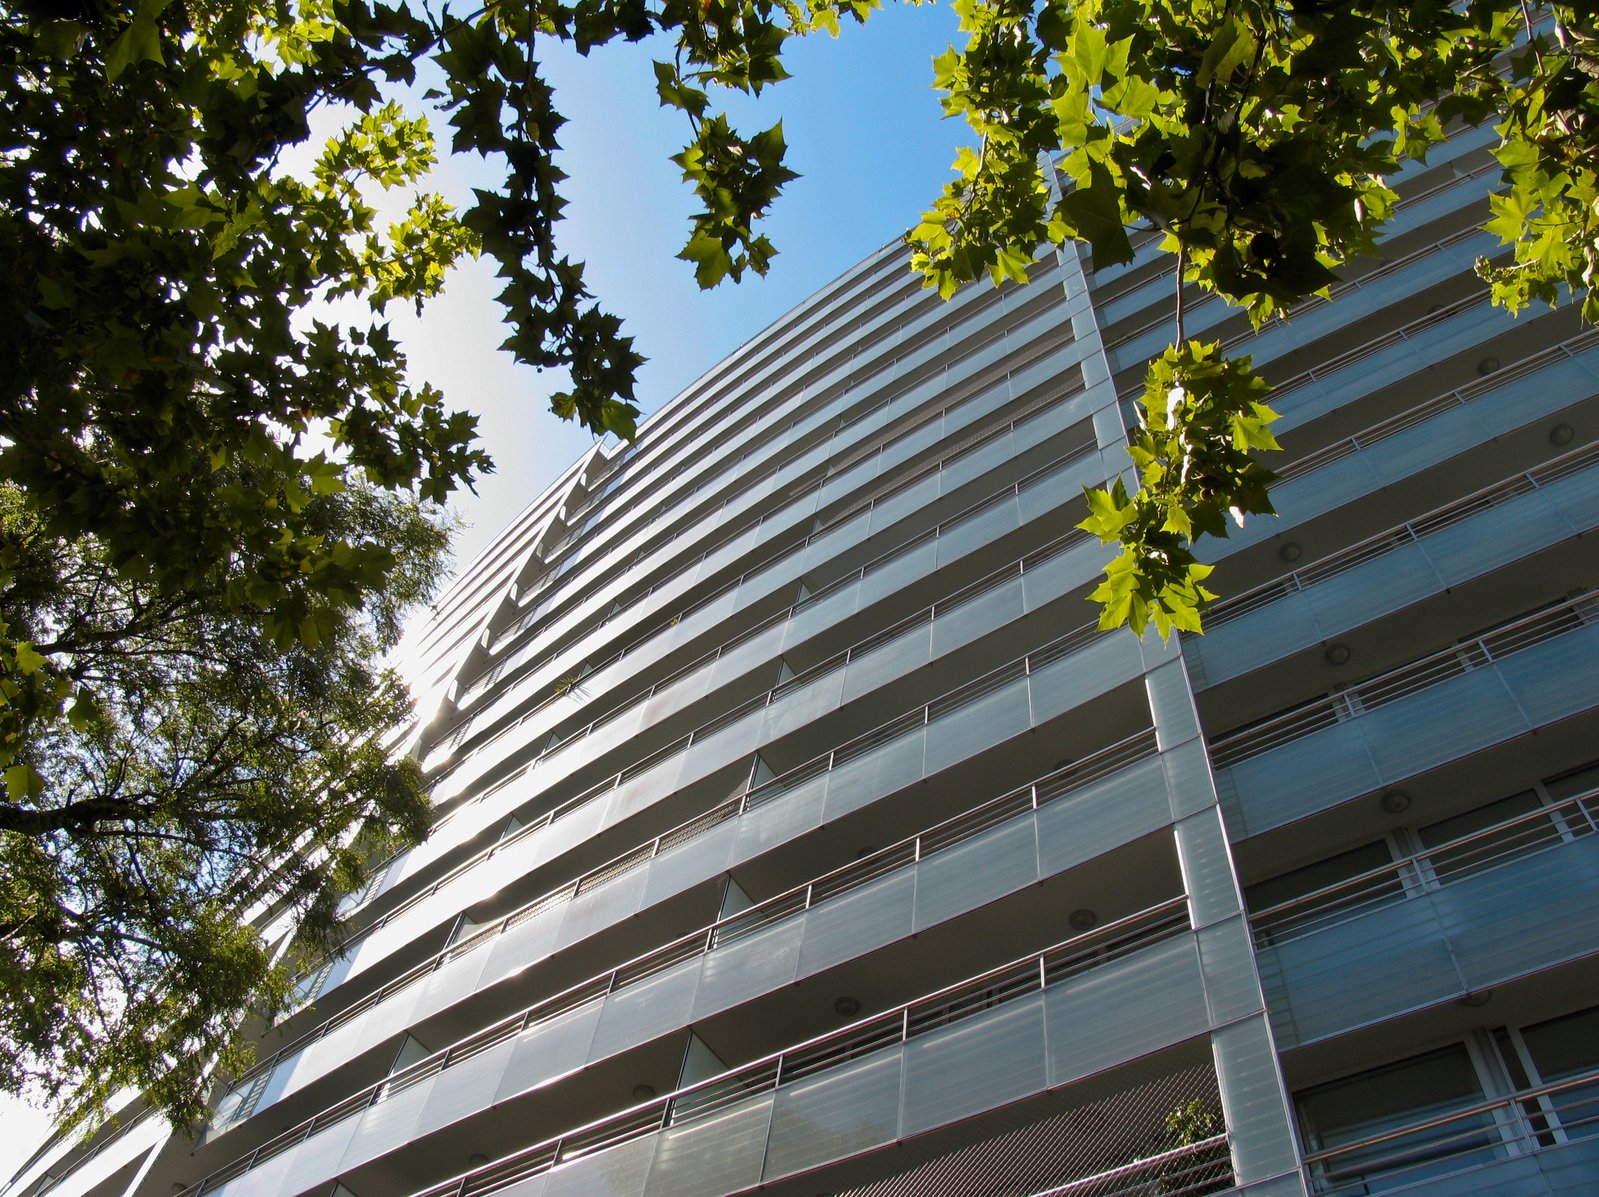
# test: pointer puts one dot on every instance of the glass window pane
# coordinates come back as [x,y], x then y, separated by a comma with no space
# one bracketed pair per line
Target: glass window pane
[1567,1047]
[1386,1099]
[1327,876]
[1482,851]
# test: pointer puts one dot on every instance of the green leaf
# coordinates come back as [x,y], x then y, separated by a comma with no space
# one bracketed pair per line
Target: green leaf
[22,783]
[29,661]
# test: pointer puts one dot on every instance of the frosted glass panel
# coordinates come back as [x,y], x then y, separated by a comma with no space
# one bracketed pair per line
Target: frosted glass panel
[721,1153]
[773,822]
[963,624]
[387,1125]
[1085,1016]
[990,720]
[1207,867]
[450,983]
[841,1112]
[522,945]
[978,531]
[1440,723]
[997,862]
[1390,960]
[1527,914]
[795,709]
[867,778]
[1075,680]
[1252,1097]
[314,1161]
[975,1065]
[601,906]
[1555,679]
[616,1172]
[1102,816]
[1298,779]
[887,662]
[464,1088]
[855,922]
[675,869]
[748,967]
[549,1049]
[888,577]
[1227,962]
[639,1012]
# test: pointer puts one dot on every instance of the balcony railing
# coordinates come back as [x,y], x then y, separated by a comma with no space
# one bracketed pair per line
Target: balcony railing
[976,509]
[1092,768]
[1193,1170]
[966,594]
[943,606]
[1409,532]
[817,1056]
[1411,678]
[1393,425]
[974,442]
[1024,359]
[1545,828]
[1526,1123]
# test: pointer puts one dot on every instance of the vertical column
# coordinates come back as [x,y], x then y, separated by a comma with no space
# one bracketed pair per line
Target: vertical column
[1254,1098]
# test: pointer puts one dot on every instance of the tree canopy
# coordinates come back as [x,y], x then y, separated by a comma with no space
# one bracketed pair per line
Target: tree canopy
[1255,137]
[214,512]
[216,496]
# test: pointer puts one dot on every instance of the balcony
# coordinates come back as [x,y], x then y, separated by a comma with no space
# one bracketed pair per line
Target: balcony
[1399,566]
[1426,435]
[914,888]
[1118,793]
[793,719]
[1010,1034]
[842,553]
[1465,916]
[1523,676]
[1539,1142]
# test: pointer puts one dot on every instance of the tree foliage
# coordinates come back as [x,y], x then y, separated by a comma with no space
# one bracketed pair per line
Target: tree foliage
[207,782]
[1254,137]
[210,516]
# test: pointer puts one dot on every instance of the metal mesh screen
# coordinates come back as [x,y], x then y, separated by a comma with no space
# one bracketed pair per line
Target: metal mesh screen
[1158,1131]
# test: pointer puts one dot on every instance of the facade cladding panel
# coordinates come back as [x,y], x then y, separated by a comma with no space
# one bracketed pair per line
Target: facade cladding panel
[801,834]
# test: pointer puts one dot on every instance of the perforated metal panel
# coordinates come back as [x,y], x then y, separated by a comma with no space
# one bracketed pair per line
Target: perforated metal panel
[1125,1140]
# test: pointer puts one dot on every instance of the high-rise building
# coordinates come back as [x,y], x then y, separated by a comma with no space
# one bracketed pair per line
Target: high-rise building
[801,834]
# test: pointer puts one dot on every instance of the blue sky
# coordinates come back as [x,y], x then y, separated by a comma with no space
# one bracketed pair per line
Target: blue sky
[864,130]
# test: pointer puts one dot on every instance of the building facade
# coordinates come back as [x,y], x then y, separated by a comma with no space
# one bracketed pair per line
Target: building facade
[801,834]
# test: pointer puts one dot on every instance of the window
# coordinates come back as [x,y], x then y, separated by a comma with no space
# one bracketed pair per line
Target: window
[1558,1050]
[1481,851]
[1332,886]
[1352,882]
[1383,1100]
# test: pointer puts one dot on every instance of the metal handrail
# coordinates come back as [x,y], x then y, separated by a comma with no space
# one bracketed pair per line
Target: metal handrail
[897,434]
[1354,895]
[731,808]
[1411,531]
[954,599]
[1031,974]
[1531,1127]
[730,929]
[1138,1173]
[1410,678]
[1459,396]
[1008,491]
[920,472]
